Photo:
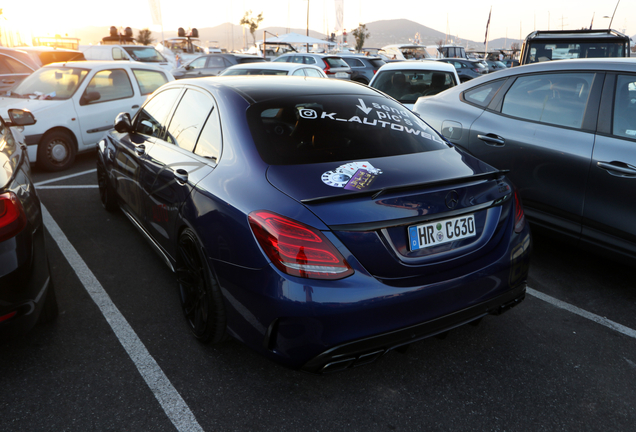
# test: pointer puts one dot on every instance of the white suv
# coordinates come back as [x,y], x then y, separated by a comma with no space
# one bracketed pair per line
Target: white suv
[75,104]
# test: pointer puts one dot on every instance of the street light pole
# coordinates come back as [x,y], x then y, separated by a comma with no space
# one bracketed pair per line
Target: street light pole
[307,46]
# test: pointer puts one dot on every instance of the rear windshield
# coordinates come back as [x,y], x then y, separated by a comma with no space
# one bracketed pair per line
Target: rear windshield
[145,54]
[47,57]
[251,60]
[377,63]
[408,85]
[335,62]
[540,51]
[328,128]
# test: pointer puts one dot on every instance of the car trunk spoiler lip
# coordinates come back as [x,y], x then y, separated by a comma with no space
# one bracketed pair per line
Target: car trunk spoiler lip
[492,175]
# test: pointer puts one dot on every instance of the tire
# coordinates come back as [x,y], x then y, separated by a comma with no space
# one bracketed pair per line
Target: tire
[200,295]
[56,151]
[49,309]
[107,194]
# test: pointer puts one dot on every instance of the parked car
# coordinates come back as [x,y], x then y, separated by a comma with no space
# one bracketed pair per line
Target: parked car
[567,133]
[43,55]
[467,69]
[363,68]
[410,51]
[510,63]
[140,53]
[317,221]
[334,66]
[27,295]
[546,45]
[406,81]
[495,65]
[74,103]
[213,64]
[270,68]
[15,66]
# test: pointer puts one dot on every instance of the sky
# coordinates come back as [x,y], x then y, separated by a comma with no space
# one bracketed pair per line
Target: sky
[465,19]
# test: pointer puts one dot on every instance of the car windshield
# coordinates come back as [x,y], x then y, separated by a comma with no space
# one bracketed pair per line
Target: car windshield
[315,129]
[408,85]
[144,54]
[50,83]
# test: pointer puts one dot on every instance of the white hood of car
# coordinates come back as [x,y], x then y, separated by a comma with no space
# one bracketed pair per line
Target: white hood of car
[34,105]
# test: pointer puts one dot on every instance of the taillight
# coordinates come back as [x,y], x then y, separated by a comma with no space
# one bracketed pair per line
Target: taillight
[12,216]
[477,70]
[520,218]
[327,68]
[374,71]
[297,249]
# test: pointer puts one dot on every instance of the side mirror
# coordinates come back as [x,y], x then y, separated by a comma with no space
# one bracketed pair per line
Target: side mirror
[187,67]
[21,117]
[89,97]
[123,123]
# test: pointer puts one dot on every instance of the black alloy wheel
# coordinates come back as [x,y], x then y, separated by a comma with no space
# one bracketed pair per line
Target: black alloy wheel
[201,297]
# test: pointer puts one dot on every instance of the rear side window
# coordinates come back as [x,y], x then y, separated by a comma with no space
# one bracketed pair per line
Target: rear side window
[624,123]
[16,66]
[558,99]
[483,94]
[314,129]
[148,80]
[188,119]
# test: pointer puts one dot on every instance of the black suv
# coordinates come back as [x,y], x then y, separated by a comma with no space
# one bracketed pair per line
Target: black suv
[569,44]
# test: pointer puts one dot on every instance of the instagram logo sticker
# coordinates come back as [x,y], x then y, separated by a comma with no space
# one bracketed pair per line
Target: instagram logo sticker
[308,113]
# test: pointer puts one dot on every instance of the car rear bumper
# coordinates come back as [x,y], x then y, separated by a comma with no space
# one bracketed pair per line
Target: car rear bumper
[325,327]
[367,350]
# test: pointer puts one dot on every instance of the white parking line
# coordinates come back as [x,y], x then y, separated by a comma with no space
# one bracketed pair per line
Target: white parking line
[171,401]
[585,314]
[69,187]
[64,177]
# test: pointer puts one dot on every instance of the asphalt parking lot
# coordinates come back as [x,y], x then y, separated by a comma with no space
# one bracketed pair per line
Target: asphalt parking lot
[120,356]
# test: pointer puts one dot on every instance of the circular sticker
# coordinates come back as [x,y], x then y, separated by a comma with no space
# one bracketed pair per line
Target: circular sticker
[336,178]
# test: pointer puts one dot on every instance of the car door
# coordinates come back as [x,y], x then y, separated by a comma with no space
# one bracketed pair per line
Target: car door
[610,208]
[108,93]
[131,151]
[542,130]
[173,168]
[195,68]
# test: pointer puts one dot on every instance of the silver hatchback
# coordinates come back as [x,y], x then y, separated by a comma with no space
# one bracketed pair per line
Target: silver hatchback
[333,66]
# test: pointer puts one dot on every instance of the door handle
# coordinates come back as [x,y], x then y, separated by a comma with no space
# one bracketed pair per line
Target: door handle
[140,149]
[8,81]
[493,140]
[181,176]
[620,169]
[135,106]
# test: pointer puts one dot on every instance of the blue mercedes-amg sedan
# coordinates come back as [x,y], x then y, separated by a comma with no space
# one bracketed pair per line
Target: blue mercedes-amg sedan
[317,221]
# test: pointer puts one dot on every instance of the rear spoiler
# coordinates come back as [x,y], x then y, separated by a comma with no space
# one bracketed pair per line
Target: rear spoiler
[493,175]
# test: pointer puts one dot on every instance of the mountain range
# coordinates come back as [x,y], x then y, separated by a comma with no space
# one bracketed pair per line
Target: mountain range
[384,32]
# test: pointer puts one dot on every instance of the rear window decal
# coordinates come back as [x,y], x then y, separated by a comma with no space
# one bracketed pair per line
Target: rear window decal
[355,176]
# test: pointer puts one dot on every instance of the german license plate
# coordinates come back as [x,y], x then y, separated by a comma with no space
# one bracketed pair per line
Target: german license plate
[442,231]
[341,74]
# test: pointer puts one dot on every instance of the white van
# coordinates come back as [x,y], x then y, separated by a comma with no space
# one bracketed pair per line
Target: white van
[140,53]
